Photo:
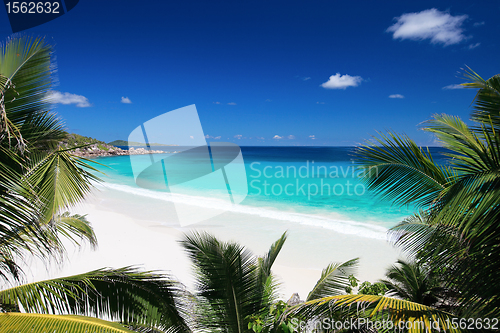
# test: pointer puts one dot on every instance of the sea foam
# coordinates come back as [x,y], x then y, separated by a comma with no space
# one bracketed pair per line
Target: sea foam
[338,225]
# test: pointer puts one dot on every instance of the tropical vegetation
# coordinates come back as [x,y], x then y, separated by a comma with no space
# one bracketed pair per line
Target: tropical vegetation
[236,291]
[73,140]
[453,241]
[39,180]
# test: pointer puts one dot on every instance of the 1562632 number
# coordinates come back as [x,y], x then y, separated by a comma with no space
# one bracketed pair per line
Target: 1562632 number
[473,323]
[32,7]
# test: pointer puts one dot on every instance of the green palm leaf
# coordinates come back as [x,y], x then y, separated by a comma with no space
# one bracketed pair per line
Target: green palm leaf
[375,308]
[124,295]
[400,171]
[27,68]
[487,100]
[61,179]
[17,214]
[227,281]
[470,202]
[268,260]
[334,279]
[36,184]
[269,284]
[415,232]
[43,323]
[459,233]
[76,228]
[413,281]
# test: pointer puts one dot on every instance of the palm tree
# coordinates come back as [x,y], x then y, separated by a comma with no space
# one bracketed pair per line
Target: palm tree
[322,312]
[456,232]
[334,280]
[413,281]
[38,182]
[459,234]
[232,284]
[237,292]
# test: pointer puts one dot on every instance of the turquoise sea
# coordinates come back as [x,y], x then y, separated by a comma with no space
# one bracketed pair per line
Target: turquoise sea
[319,186]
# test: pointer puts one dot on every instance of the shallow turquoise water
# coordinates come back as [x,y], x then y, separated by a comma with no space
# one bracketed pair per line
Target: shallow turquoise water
[316,181]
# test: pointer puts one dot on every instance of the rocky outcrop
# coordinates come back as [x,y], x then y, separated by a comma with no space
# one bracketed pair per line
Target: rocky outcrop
[102,150]
[294,300]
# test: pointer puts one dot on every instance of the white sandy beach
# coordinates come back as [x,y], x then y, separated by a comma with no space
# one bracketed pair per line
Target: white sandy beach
[135,231]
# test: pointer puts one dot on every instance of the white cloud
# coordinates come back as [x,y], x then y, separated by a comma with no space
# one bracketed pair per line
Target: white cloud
[238,136]
[216,102]
[231,103]
[260,138]
[192,137]
[126,100]
[80,101]
[208,136]
[396,96]
[338,81]
[439,27]
[478,24]
[277,137]
[217,137]
[306,78]
[320,102]
[453,86]
[291,137]
[312,137]
[473,46]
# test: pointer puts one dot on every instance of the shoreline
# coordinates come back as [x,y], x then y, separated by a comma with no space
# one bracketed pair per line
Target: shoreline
[138,231]
[110,151]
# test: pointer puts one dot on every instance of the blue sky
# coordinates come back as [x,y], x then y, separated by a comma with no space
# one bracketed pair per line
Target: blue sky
[269,72]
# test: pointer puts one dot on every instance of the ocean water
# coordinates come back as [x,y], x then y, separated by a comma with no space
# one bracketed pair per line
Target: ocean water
[317,186]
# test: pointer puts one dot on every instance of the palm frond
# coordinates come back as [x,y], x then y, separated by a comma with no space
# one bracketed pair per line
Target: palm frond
[465,268]
[124,295]
[414,232]
[270,257]
[61,179]
[269,284]
[458,235]
[27,66]
[413,281]
[334,279]
[43,323]
[399,170]
[76,228]
[487,100]
[470,202]
[9,268]
[226,279]
[469,154]
[17,214]
[419,317]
